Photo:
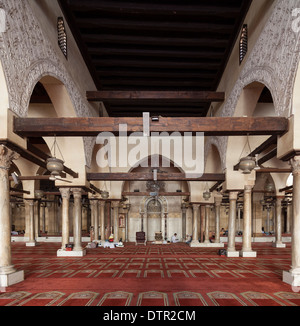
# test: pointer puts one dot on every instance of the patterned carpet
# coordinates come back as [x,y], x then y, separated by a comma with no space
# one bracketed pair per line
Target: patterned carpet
[155,275]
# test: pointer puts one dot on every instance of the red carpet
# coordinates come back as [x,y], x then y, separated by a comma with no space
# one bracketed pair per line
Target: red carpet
[166,275]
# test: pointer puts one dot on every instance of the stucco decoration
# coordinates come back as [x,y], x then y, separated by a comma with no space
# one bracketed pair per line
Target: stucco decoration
[273,62]
[26,52]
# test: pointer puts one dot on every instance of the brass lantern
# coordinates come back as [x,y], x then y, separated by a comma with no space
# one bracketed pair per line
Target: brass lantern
[55,166]
[247,164]
[104,194]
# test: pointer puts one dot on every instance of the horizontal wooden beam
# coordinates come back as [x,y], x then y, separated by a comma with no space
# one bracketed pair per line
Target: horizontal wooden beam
[186,96]
[165,194]
[216,126]
[160,177]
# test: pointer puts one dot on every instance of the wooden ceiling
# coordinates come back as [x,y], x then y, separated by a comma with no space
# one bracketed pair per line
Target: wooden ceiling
[155,45]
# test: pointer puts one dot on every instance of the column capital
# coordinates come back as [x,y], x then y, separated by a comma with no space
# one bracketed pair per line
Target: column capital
[248,188]
[295,163]
[6,157]
[115,204]
[29,202]
[218,200]
[233,195]
[94,202]
[77,192]
[65,193]
[101,203]
[196,206]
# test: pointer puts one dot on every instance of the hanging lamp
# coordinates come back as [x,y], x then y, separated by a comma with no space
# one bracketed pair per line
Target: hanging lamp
[55,165]
[248,163]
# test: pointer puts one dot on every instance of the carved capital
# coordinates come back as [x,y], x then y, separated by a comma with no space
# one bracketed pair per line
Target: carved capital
[94,202]
[65,193]
[233,195]
[6,157]
[196,207]
[115,204]
[218,200]
[77,193]
[295,163]
[101,203]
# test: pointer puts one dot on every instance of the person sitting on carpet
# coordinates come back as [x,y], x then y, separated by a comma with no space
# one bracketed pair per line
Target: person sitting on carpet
[174,238]
[111,238]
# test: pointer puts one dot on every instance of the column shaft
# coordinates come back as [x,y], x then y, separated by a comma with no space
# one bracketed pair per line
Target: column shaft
[65,234]
[77,219]
[247,236]
[231,222]
[195,236]
[207,208]
[102,221]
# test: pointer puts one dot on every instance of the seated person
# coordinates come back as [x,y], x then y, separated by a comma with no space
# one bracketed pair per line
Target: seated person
[188,239]
[111,238]
[174,238]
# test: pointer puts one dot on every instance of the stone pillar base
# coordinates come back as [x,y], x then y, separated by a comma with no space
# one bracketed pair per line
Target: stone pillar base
[31,244]
[232,254]
[248,254]
[292,278]
[197,244]
[278,245]
[11,279]
[73,253]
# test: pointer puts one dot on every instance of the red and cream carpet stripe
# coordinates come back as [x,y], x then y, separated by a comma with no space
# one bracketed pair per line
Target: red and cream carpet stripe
[169,275]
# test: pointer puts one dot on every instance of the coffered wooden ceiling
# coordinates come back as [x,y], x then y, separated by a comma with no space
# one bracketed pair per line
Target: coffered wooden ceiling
[155,45]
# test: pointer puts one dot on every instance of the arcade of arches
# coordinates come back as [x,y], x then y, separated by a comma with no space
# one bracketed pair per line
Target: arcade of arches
[148,188]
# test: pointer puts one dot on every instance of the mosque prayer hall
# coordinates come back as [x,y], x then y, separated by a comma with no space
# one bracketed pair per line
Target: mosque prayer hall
[149,154]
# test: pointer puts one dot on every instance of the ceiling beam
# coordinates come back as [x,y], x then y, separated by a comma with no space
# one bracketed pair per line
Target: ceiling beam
[164,194]
[160,177]
[215,126]
[182,96]
[138,9]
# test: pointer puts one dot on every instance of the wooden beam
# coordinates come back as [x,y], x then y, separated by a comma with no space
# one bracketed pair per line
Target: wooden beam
[216,126]
[165,194]
[205,96]
[273,170]
[149,177]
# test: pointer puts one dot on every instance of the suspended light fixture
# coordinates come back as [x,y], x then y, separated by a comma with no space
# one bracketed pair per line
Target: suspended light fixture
[105,193]
[248,163]
[55,165]
[206,193]
[39,194]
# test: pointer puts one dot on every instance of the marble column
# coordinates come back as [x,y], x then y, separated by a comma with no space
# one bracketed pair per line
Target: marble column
[293,276]
[247,231]
[278,224]
[195,236]
[37,224]
[43,217]
[206,236]
[126,211]
[231,251]
[65,233]
[116,205]
[95,218]
[29,209]
[268,219]
[289,214]
[77,222]
[8,274]
[218,202]
[102,220]
[183,214]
